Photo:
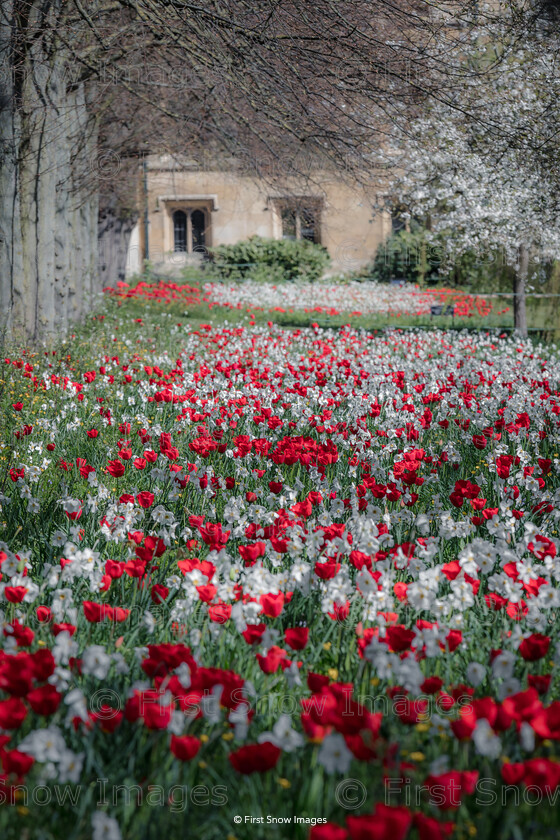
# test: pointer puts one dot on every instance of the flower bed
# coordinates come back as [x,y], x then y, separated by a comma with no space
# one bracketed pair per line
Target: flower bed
[306,573]
[160,291]
[335,299]
[352,299]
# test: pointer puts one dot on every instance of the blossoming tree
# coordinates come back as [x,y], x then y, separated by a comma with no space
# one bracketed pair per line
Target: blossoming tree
[481,165]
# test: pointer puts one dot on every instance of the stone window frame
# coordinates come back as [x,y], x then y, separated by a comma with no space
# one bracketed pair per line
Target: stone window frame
[297,203]
[208,204]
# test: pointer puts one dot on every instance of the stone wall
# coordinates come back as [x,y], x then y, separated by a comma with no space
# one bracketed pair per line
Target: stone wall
[239,206]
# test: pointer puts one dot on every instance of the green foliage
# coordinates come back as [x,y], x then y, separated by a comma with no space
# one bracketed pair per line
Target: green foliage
[404,255]
[417,257]
[272,260]
[487,273]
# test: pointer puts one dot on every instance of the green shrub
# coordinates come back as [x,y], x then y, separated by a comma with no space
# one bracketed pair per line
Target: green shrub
[272,260]
[411,256]
[406,255]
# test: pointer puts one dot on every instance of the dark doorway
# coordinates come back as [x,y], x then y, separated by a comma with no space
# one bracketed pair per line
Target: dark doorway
[180,230]
[198,223]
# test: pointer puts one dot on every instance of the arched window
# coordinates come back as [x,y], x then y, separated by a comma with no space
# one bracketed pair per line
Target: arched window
[198,225]
[180,230]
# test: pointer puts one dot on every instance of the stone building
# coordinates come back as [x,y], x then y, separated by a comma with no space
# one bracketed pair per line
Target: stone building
[187,208]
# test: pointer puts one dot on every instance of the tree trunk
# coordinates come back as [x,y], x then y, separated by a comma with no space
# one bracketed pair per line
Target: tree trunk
[519,287]
[10,244]
[113,240]
[48,211]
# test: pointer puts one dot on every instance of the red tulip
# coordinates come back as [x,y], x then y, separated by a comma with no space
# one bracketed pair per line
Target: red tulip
[185,747]
[297,637]
[255,758]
